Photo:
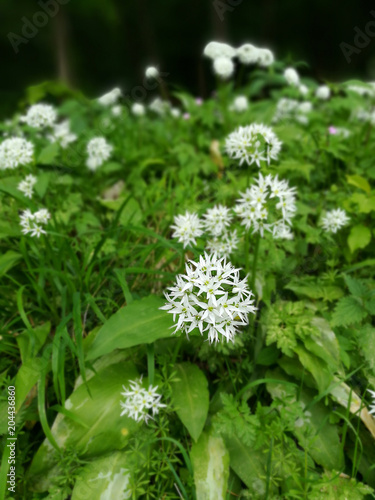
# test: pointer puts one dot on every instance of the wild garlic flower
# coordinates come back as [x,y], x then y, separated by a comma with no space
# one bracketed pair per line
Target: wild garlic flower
[217,220]
[303,89]
[138,109]
[110,98]
[247,54]
[116,110]
[265,58]
[214,50]
[240,104]
[98,151]
[40,116]
[362,91]
[364,115]
[186,228]
[266,205]
[292,77]
[159,106]
[26,186]
[253,144]
[372,405]
[223,67]
[152,73]
[31,222]
[224,245]
[210,297]
[62,134]
[290,109]
[15,151]
[323,92]
[334,220]
[139,401]
[176,113]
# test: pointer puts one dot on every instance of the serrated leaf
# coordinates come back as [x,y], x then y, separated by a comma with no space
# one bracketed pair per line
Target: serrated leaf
[356,287]
[359,237]
[190,397]
[348,311]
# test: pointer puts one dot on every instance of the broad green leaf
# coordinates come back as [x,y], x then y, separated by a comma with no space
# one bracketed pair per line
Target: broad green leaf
[190,397]
[359,182]
[325,345]
[8,260]
[105,478]
[31,341]
[316,366]
[141,322]
[348,311]
[27,376]
[359,237]
[210,460]
[366,203]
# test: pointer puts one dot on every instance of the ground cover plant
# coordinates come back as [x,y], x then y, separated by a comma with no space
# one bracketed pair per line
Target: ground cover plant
[187,289]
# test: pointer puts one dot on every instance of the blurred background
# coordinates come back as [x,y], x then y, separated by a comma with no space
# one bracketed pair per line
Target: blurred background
[94,45]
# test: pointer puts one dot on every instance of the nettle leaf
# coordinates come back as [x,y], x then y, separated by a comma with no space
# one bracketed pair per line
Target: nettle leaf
[210,460]
[366,342]
[359,237]
[356,287]
[348,311]
[190,397]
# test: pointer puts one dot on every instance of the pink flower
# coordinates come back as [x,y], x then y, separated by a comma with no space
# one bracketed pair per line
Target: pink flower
[186,116]
[199,101]
[332,130]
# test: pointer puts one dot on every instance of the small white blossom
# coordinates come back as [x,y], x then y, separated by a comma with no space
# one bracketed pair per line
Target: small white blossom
[30,222]
[62,134]
[175,112]
[253,144]
[290,109]
[116,110]
[98,151]
[223,67]
[210,297]
[265,58]
[139,401]
[334,220]
[138,109]
[217,219]
[303,89]
[323,92]
[15,151]
[224,245]
[247,53]
[291,76]
[40,116]
[214,50]
[152,73]
[159,106]
[186,228]
[110,98]
[240,104]
[26,186]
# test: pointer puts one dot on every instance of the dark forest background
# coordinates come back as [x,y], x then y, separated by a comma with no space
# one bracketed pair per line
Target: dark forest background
[94,45]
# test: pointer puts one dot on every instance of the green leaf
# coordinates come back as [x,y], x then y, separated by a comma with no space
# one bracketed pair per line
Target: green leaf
[359,182]
[366,342]
[316,366]
[190,397]
[359,237]
[140,322]
[48,154]
[210,460]
[348,311]
[8,260]
[356,287]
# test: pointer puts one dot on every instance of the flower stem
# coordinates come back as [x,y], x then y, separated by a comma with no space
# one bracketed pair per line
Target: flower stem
[255,260]
[151,363]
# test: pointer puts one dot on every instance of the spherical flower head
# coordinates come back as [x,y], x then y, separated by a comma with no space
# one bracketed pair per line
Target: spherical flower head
[214,50]
[187,228]
[332,130]
[254,143]
[30,222]
[176,113]
[323,92]
[198,101]
[240,104]
[14,152]
[110,98]
[334,220]
[247,54]
[223,67]
[139,401]
[40,116]
[292,110]
[26,186]
[210,297]
[224,245]
[303,89]
[116,110]
[217,220]
[265,58]
[138,109]
[266,205]
[98,151]
[152,73]
[62,134]
[159,106]
[291,76]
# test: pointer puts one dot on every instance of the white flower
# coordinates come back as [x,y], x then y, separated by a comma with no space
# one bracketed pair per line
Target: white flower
[214,50]
[303,89]
[362,91]
[224,245]
[14,152]
[217,219]
[152,72]
[62,134]
[253,144]
[265,57]
[240,104]
[116,110]
[138,109]
[223,67]
[139,401]
[26,186]
[40,116]
[247,53]
[186,228]
[98,151]
[210,297]
[30,222]
[175,112]
[334,220]
[110,98]
[159,106]
[323,92]
[266,205]
[292,110]
[291,76]
[372,405]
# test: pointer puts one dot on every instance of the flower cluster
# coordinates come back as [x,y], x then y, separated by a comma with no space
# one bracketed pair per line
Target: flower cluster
[240,104]
[14,152]
[339,131]
[110,98]
[334,220]
[40,116]
[323,92]
[138,109]
[210,297]
[138,401]
[26,186]
[290,109]
[62,134]
[255,210]
[31,222]
[186,228]
[98,151]
[253,144]
[292,77]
